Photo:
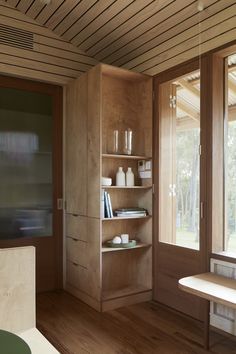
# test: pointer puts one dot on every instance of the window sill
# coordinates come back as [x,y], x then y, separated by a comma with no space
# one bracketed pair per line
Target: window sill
[224,254]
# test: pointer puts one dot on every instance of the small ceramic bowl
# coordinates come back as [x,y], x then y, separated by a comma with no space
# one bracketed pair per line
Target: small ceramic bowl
[106,181]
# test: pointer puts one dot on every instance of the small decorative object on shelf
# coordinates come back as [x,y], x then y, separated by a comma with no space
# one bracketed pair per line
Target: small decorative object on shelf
[116,240]
[131,212]
[113,142]
[111,243]
[106,181]
[129,177]
[124,238]
[145,172]
[128,137]
[120,177]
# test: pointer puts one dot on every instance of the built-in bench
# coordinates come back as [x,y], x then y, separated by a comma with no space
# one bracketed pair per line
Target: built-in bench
[17,298]
[211,287]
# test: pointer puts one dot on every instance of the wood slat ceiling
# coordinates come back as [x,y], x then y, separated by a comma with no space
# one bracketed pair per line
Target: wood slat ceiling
[143,35]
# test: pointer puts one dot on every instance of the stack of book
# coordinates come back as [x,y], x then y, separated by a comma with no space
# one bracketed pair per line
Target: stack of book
[131,212]
[106,206]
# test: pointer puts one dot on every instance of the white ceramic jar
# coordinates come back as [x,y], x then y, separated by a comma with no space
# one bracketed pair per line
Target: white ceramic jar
[120,177]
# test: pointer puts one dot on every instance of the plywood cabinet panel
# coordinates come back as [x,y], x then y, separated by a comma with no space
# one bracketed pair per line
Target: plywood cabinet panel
[76,227]
[76,147]
[77,251]
[77,276]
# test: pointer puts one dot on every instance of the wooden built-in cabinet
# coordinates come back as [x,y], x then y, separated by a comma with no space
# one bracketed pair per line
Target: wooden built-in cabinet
[99,102]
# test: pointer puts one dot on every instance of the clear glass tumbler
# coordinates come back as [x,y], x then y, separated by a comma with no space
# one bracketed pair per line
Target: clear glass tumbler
[128,137]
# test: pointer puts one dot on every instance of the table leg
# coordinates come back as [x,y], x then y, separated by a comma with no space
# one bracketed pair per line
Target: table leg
[207,325]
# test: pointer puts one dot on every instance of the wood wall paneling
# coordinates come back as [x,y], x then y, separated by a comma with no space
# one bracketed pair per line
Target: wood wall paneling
[52,58]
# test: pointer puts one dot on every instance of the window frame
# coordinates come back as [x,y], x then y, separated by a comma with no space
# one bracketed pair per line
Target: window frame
[218,120]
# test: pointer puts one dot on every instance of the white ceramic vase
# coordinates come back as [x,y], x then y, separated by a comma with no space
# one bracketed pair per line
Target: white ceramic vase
[120,177]
[129,177]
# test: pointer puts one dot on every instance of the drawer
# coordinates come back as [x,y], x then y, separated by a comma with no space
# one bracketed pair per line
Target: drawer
[76,226]
[77,276]
[76,251]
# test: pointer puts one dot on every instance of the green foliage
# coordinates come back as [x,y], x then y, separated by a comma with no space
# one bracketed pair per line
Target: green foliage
[187,180]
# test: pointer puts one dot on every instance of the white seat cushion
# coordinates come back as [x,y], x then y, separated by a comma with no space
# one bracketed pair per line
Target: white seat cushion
[37,342]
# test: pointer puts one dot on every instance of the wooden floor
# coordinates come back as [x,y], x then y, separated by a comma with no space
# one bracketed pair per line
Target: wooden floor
[148,328]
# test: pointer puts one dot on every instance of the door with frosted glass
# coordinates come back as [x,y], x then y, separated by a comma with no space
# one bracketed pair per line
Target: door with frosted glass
[178,248]
[30,174]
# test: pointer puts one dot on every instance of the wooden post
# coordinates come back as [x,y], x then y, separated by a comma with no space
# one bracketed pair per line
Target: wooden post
[207,325]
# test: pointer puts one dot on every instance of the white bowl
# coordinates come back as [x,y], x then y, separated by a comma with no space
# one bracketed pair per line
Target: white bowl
[106,181]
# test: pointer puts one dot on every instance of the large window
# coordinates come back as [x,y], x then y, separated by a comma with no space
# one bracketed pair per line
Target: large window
[230,158]
[180,162]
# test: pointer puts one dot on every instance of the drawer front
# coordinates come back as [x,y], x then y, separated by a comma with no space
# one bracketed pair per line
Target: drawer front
[77,251]
[76,227]
[77,276]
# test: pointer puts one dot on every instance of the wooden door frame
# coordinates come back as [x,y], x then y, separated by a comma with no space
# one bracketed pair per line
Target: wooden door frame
[56,92]
[166,76]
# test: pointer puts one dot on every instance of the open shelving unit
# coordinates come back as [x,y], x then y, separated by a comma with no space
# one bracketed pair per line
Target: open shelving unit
[103,277]
[126,272]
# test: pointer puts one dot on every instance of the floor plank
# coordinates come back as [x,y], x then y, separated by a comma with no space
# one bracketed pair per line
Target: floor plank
[147,328]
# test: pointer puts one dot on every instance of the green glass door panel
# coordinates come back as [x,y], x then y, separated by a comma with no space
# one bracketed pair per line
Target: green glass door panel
[26,133]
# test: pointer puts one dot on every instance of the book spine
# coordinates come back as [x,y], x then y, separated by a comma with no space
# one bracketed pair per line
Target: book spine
[107,214]
[109,205]
[103,204]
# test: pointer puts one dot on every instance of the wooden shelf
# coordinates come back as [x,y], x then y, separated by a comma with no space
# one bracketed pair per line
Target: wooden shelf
[131,157]
[126,291]
[115,249]
[126,187]
[115,218]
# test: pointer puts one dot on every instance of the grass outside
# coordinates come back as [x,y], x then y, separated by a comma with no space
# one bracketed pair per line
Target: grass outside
[187,239]
[190,240]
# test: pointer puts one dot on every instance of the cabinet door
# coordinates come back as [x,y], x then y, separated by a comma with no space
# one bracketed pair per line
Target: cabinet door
[76,146]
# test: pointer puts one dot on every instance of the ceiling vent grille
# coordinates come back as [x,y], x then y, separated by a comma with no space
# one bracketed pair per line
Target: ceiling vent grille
[15,37]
